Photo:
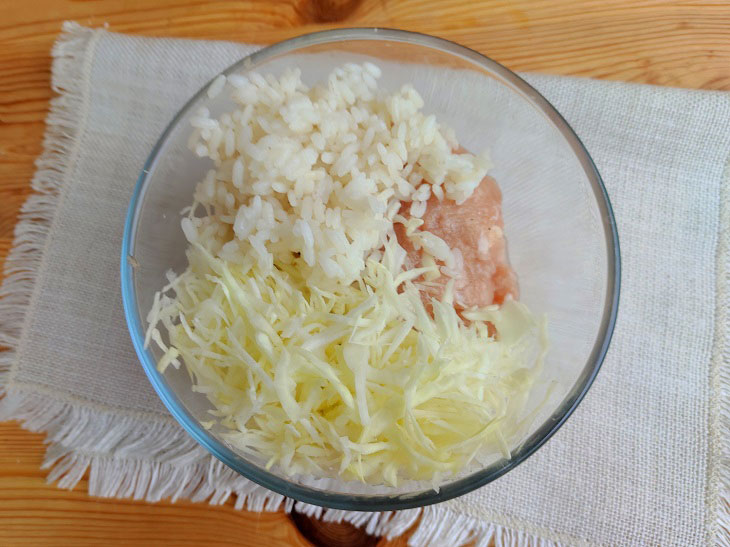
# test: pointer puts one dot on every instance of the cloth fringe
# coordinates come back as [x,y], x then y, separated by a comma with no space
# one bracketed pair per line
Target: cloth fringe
[156,461]
[151,461]
[37,214]
[131,457]
[435,525]
[718,490]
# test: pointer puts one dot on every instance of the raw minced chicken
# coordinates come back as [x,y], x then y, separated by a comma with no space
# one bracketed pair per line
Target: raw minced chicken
[475,231]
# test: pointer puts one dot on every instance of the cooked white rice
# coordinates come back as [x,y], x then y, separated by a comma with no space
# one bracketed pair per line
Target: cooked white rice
[319,173]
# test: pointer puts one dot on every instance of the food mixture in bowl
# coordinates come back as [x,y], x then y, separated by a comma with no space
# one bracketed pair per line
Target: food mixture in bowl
[348,309]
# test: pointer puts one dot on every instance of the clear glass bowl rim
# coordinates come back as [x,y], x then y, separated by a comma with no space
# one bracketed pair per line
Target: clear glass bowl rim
[362,502]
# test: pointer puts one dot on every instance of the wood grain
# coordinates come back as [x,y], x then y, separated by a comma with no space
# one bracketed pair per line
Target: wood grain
[31,512]
[675,43]
[34,513]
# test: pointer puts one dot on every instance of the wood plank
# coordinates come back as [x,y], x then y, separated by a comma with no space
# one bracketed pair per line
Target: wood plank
[676,43]
[32,512]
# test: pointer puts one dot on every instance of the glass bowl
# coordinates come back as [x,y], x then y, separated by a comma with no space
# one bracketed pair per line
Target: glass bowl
[560,228]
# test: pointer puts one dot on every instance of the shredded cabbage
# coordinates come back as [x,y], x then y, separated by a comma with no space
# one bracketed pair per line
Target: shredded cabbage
[359,381]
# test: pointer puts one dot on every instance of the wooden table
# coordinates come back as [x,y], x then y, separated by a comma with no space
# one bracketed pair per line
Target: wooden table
[679,43]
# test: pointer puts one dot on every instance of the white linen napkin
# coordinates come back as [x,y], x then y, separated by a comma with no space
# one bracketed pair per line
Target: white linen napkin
[644,460]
